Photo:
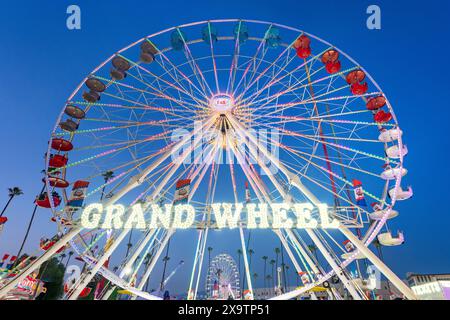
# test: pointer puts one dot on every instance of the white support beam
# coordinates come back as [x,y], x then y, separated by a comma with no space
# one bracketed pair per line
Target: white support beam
[295,181]
[202,255]
[90,274]
[155,258]
[247,268]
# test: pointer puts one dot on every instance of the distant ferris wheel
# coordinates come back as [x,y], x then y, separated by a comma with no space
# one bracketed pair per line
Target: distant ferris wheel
[222,280]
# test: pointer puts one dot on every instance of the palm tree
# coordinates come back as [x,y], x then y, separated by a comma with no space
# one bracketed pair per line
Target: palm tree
[272,263]
[147,260]
[62,257]
[268,278]
[209,256]
[283,265]
[313,249]
[255,276]
[277,252]
[250,253]
[265,268]
[12,192]
[129,244]
[30,223]
[165,260]
[108,175]
[68,259]
[287,276]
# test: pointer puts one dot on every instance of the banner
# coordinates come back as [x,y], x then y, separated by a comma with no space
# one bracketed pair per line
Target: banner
[78,194]
[182,191]
[359,193]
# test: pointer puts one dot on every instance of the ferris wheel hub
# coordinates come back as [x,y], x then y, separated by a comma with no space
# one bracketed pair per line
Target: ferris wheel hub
[222,103]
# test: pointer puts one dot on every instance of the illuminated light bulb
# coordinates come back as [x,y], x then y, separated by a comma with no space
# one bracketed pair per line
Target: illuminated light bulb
[325,218]
[252,215]
[91,216]
[158,215]
[136,218]
[178,222]
[227,217]
[303,213]
[113,217]
[280,218]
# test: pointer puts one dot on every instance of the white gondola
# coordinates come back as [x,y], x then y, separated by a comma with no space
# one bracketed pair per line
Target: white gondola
[386,239]
[390,135]
[394,151]
[401,194]
[347,255]
[393,173]
[378,214]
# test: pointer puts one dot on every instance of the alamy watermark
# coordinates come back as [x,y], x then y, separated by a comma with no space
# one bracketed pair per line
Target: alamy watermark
[373,22]
[244,147]
[73,21]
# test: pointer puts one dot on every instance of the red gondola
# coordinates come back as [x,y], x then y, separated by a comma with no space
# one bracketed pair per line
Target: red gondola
[376,103]
[57,182]
[46,244]
[382,117]
[303,52]
[61,145]
[57,161]
[330,56]
[355,77]
[359,88]
[43,200]
[64,222]
[333,67]
[3,220]
[302,42]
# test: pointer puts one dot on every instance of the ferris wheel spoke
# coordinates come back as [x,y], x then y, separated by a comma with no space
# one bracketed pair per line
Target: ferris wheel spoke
[281,107]
[292,87]
[159,95]
[251,62]
[176,70]
[266,69]
[175,84]
[194,66]
[216,77]
[234,64]
[285,106]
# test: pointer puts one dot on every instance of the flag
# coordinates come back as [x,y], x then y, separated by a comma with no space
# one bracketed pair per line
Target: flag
[2,222]
[78,194]
[182,191]
[359,193]
[5,257]
[11,262]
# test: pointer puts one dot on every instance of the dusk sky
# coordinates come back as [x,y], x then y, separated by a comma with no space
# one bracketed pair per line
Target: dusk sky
[43,62]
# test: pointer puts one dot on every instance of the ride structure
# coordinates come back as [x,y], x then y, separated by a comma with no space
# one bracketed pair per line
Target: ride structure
[302,121]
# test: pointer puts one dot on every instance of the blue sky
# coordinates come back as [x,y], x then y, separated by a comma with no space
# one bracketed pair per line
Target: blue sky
[42,62]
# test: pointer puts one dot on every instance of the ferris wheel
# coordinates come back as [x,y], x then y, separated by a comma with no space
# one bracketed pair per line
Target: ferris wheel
[222,279]
[320,128]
